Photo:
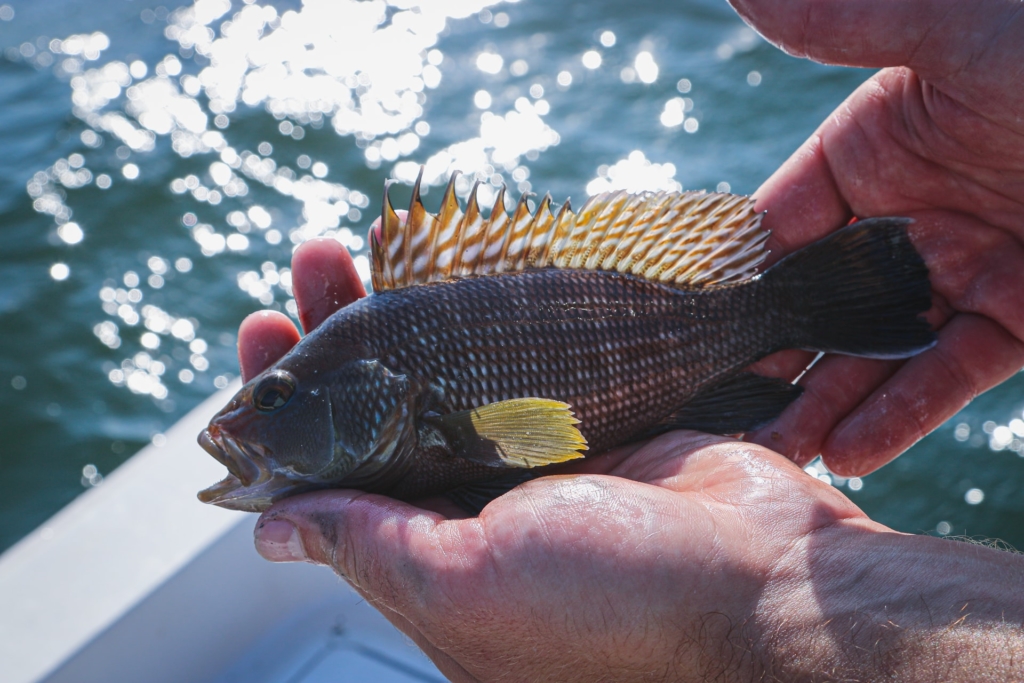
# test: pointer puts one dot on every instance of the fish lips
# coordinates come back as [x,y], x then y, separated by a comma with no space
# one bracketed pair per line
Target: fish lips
[231,494]
[249,486]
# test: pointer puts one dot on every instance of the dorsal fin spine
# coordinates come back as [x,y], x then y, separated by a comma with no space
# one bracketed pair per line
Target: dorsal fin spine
[518,229]
[443,250]
[574,240]
[376,263]
[593,220]
[582,222]
[539,237]
[420,227]
[391,236]
[471,235]
[494,234]
[560,229]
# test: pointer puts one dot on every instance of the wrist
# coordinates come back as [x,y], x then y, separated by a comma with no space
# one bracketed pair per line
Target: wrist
[858,601]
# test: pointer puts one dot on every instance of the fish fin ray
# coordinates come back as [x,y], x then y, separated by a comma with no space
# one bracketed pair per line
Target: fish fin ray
[445,240]
[860,291]
[519,432]
[683,239]
[739,404]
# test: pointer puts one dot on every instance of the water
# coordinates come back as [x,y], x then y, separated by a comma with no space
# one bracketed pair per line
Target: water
[160,163]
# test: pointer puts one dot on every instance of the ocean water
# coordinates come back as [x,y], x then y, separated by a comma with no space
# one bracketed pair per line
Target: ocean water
[160,163]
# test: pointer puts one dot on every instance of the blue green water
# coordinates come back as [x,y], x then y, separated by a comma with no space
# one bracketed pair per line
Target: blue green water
[159,163]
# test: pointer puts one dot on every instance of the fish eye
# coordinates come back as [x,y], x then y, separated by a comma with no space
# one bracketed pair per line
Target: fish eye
[273,391]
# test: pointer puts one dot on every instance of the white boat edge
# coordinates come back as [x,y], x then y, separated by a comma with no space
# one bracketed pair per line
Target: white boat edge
[136,580]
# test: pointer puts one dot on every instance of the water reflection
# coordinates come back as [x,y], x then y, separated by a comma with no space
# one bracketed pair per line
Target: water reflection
[364,68]
[635,173]
[1009,436]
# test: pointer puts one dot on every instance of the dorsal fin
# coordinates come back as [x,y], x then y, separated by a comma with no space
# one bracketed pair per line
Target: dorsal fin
[686,239]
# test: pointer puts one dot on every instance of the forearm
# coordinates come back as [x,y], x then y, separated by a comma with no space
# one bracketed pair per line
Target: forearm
[860,603]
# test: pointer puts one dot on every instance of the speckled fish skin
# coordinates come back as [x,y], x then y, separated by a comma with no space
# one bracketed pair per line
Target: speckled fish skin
[363,393]
[623,352]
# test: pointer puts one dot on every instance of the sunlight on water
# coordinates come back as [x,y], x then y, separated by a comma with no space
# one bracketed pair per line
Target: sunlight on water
[998,437]
[494,156]
[363,68]
[635,173]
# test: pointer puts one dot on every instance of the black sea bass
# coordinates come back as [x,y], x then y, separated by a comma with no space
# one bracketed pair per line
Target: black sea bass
[494,347]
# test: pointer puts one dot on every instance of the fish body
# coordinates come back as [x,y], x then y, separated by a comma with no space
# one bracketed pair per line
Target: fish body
[439,383]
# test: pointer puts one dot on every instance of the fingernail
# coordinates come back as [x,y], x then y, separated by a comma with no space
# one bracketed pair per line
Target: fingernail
[278,540]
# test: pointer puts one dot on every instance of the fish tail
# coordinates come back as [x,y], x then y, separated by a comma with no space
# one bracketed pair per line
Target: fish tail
[859,291]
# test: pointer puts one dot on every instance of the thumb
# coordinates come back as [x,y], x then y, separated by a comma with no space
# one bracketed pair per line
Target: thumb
[383,547]
[940,39]
[389,551]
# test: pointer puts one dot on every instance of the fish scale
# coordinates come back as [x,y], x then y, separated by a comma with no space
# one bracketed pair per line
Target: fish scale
[566,329]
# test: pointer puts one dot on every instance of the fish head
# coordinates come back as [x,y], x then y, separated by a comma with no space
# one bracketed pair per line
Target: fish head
[294,428]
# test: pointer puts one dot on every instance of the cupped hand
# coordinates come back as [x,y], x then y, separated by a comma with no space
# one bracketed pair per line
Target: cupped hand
[938,137]
[655,563]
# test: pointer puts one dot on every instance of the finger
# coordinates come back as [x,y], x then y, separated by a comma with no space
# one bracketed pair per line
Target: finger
[878,33]
[787,365]
[802,200]
[263,337]
[324,280]
[833,388]
[964,46]
[311,531]
[975,266]
[973,355]
[390,552]
[382,546]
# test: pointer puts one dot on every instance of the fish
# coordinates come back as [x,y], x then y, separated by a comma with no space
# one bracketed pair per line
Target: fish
[495,347]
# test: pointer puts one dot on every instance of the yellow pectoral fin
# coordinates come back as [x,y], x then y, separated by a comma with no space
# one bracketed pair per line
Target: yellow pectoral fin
[520,432]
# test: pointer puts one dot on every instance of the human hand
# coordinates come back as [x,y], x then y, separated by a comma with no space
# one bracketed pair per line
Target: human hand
[700,558]
[940,139]
[685,558]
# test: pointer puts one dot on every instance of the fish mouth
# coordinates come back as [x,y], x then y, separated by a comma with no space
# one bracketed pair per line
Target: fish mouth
[240,458]
[249,486]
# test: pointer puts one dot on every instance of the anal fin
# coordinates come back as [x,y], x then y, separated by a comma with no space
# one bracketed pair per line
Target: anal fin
[739,404]
[519,432]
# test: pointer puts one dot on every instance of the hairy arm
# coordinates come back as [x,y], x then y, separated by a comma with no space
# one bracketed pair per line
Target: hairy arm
[889,606]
